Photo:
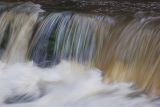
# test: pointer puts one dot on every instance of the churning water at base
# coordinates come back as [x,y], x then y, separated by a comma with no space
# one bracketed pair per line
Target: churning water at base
[66,85]
[69,59]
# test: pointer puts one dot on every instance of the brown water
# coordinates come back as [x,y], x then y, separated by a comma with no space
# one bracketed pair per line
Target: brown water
[80,59]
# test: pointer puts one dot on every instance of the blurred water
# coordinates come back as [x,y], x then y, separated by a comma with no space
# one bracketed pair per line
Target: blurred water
[66,85]
[107,56]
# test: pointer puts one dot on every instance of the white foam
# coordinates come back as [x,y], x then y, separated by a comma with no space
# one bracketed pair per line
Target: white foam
[65,85]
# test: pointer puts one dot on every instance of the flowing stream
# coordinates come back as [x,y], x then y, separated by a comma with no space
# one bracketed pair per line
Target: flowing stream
[75,59]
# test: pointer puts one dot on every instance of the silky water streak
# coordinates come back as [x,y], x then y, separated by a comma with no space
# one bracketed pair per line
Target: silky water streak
[69,59]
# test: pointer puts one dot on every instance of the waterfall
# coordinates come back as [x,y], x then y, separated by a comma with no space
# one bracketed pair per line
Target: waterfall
[127,42]
[16,27]
[74,59]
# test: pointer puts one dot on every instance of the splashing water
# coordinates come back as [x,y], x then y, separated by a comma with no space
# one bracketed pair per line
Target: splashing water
[65,85]
[125,48]
[68,59]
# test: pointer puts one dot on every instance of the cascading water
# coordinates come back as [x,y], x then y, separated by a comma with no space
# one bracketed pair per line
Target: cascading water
[69,59]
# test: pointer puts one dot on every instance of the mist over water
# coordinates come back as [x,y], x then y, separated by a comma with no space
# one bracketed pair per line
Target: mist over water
[71,59]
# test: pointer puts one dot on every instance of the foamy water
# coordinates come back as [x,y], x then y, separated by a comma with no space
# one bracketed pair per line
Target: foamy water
[65,85]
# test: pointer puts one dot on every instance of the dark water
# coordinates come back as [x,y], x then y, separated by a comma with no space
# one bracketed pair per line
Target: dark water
[119,38]
[99,6]
[105,6]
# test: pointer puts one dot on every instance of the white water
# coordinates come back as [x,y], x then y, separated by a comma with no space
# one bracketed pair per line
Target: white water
[65,85]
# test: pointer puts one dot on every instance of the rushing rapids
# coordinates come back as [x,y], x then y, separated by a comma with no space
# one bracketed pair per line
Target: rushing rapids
[69,59]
